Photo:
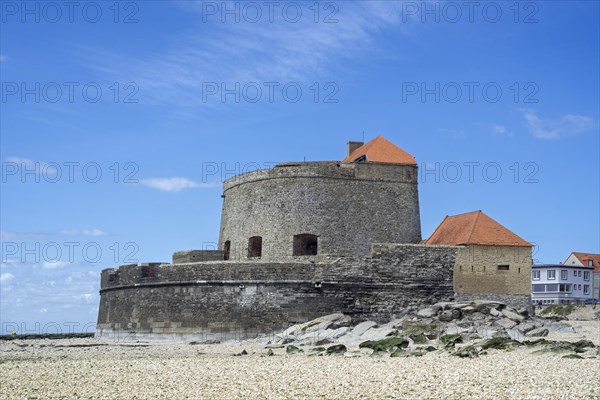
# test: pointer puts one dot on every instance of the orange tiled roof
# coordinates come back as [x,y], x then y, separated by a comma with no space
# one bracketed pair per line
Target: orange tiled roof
[585,257]
[381,150]
[474,228]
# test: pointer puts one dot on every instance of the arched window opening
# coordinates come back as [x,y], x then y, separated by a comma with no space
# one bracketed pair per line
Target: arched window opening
[255,246]
[305,245]
[226,249]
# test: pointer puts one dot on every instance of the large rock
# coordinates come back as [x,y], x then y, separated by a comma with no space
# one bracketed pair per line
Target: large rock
[538,332]
[449,315]
[484,306]
[377,334]
[513,315]
[426,312]
[505,323]
[528,326]
[495,312]
[363,327]
[318,324]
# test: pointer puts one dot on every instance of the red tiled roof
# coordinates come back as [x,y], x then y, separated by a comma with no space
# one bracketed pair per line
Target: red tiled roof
[585,257]
[381,150]
[474,228]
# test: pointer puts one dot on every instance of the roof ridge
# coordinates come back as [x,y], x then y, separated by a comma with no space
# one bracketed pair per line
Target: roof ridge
[474,225]
[436,228]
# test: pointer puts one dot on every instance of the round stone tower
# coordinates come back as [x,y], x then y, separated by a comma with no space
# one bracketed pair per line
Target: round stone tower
[323,208]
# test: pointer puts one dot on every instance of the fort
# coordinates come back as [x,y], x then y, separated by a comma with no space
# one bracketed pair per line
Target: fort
[304,239]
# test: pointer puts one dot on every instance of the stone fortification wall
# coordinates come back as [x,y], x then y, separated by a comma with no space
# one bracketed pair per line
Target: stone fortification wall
[225,300]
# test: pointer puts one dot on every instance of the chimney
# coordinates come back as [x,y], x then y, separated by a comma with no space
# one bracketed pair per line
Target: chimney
[353,146]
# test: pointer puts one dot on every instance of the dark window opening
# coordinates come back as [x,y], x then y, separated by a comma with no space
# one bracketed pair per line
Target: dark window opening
[255,246]
[226,249]
[503,267]
[112,277]
[148,271]
[305,245]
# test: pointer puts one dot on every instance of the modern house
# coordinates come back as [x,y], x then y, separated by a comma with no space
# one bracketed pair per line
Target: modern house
[561,283]
[493,262]
[588,260]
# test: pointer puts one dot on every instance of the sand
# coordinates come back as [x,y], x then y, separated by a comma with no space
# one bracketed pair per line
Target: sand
[55,369]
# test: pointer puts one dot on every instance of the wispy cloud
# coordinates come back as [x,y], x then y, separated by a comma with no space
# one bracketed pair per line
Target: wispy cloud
[244,52]
[176,184]
[500,130]
[54,264]
[453,133]
[2,58]
[94,232]
[6,277]
[570,124]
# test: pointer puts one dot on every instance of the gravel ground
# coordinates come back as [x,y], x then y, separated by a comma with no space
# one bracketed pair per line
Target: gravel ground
[57,369]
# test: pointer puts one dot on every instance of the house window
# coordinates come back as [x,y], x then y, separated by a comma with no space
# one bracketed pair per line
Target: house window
[586,275]
[564,274]
[460,268]
[579,274]
[305,245]
[574,273]
[579,287]
[226,249]
[564,288]
[535,275]
[590,263]
[552,287]
[586,289]
[551,274]
[255,246]
[503,267]
[538,288]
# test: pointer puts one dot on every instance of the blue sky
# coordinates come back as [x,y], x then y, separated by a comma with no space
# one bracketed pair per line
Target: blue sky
[118,123]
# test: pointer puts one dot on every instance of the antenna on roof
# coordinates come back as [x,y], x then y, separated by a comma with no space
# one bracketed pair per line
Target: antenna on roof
[363,139]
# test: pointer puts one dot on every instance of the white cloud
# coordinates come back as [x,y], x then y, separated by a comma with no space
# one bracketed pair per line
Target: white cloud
[83,232]
[175,184]
[2,58]
[569,124]
[6,277]
[54,264]
[43,310]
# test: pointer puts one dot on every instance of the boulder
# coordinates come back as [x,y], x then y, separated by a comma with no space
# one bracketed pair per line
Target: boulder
[505,323]
[513,315]
[495,312]
[377,334]
[449,315]
[527,326]
[484,306]
[363,327]
[426,312]
[538,332]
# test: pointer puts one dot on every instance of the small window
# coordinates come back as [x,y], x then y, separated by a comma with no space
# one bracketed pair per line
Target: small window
[579,287]
[586,289]
[586,275]
[305,245]
[590,263]
[503,267]
[148,271]
[255,246]
[112,277]
[579,274]
[574,273]
[551,274]
[226,249]
[472,268]
[535,275]
[460,268]
[564,274]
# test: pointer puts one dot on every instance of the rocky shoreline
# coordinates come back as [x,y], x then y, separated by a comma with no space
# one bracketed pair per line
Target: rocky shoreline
[477,354]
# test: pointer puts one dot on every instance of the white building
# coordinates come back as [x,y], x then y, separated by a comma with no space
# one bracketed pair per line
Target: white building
[588,260]
[560,283]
